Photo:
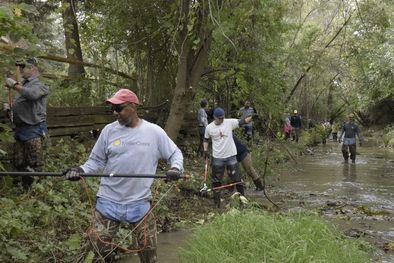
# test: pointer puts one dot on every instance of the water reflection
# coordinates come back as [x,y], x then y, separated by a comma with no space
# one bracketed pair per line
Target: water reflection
[349,173]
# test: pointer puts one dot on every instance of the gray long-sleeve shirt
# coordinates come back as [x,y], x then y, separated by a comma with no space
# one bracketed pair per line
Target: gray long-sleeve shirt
[124,150]
[202,118]
[350,130]
[30,105]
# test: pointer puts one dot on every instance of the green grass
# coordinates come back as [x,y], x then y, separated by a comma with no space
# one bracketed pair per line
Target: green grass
[254,236]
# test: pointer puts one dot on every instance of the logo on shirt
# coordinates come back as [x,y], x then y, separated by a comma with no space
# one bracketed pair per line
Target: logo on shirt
[117,142]
[221,134]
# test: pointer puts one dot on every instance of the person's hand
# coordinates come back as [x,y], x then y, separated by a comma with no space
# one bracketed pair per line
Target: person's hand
[73,174]
[10,83]
[360,143]
[173,174]
[339,141]
[206,155]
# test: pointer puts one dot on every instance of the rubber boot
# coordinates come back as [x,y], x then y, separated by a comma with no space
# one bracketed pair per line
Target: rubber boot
[258,184]
[240,189]
[216,199]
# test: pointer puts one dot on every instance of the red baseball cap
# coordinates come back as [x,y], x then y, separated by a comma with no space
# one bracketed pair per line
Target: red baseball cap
[123,96]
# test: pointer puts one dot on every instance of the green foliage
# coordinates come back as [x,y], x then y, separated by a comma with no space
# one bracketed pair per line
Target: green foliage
[253,236]
[313,136]
[48,222]
[388,136]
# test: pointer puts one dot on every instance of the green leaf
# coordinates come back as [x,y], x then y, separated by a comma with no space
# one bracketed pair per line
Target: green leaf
[16,253]
[5,12]
[31,9]
[89,257]
[74,242]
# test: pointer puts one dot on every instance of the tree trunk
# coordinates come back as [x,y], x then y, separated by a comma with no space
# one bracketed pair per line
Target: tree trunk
[190,66]
[72,42]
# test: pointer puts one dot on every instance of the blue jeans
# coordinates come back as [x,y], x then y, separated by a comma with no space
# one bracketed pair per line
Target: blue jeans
[129,213]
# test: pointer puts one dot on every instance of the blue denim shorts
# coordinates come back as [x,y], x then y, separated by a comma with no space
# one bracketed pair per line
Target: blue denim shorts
[129,213]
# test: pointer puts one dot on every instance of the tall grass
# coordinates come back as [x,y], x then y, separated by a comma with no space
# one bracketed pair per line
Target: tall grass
[254,236]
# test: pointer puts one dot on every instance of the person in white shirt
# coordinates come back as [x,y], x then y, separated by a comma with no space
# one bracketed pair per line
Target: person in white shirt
[224,152]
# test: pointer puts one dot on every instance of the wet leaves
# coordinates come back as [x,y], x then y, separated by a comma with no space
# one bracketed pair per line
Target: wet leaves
[389,246]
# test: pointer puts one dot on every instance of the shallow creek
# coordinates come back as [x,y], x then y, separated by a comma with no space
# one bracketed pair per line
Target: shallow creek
[358,198]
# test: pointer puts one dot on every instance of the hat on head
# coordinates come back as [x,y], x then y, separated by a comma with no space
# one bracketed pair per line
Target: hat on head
[351,115]
[123,96]
[218,113]
[32,61]
[295,111]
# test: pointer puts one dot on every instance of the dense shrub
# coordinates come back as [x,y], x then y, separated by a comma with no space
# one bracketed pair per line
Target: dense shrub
[254,236]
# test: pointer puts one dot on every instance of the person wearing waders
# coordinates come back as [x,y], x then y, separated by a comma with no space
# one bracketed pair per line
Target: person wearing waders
[349,132]
[245,158]
[29,114]
[133,146]
[224,152]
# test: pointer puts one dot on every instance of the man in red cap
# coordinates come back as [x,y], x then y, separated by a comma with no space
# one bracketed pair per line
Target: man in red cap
[132,146]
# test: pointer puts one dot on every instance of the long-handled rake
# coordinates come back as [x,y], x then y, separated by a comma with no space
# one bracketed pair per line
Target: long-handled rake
[204,189]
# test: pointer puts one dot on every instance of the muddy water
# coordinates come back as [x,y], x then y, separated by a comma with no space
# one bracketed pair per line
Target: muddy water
[358,198]
[168,244]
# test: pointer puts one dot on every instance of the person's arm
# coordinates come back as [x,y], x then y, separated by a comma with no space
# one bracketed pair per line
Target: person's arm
[97,159]
[35,91]
[245,120]
[358,133]
[176,160]
[341,134]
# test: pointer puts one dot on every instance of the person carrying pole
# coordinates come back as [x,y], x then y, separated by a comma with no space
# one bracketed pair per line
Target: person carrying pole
[130,145]
[29,112]
[223,151]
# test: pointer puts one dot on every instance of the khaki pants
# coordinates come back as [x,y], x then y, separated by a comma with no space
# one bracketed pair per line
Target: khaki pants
[248,167]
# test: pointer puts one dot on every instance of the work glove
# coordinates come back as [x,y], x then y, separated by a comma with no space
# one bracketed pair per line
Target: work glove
[206,155]
[173,174]
[360,143]
[10,83]
[339,141]
[73,174]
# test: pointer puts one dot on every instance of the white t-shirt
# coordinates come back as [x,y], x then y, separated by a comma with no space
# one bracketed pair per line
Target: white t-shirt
[124,150]
[223,145]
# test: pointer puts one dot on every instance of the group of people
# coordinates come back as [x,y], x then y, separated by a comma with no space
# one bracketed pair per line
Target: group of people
[227,149]
[132,145]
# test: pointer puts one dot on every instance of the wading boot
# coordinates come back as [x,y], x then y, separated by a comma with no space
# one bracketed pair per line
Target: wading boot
[240,189]
[258,184]
[216,199]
